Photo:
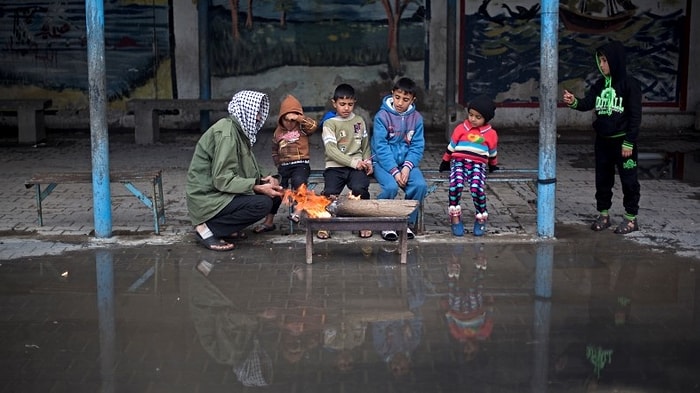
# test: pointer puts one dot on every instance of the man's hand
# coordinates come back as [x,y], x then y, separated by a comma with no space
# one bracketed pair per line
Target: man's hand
[444,166]
[269,189]
[271,180]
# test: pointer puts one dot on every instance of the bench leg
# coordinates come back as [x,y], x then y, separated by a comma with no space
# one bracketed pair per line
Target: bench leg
[309,244]
[146,201]
[403,245]
[146,127]
[30,126]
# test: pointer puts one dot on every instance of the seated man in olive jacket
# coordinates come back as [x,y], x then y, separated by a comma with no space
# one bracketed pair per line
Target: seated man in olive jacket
[226,188]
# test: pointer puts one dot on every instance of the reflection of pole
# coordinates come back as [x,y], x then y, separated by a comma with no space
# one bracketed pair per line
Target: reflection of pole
[546,179]
[105,311]
[542,315]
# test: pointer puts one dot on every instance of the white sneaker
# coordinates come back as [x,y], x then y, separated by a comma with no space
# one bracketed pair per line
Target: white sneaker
[390,236]
[409,234]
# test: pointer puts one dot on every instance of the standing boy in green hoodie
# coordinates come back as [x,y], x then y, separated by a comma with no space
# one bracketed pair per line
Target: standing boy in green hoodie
[617,101]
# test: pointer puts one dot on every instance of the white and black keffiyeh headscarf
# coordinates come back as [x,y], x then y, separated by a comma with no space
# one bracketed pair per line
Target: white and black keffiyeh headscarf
[245,107]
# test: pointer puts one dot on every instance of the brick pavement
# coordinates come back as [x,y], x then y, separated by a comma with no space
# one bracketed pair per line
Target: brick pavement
[668,216]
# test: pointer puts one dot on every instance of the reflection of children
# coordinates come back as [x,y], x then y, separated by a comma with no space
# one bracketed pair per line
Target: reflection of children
[396,338]
[472,151]
[290,147]
[466,312]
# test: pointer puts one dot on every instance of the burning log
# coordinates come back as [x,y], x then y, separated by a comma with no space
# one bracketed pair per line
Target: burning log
[347,207]
[319,206]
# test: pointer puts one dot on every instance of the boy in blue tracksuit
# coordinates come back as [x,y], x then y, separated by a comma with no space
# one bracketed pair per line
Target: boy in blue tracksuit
[397,145]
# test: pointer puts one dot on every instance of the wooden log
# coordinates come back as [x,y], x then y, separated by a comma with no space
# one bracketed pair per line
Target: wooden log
[374,207]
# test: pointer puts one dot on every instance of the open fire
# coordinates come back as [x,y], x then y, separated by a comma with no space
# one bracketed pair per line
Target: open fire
[307,200]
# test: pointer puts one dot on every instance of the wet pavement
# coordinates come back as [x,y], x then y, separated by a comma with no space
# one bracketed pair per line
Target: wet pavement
[137,312]
[574,315]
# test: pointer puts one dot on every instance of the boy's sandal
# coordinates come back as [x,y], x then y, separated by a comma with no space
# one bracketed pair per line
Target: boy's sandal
[627,226]
[323,234]
[600,223]
[214,243]
[365,233]
[262,228]
[294,217]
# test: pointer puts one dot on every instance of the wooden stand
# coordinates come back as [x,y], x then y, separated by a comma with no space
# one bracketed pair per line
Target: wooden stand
[398,224]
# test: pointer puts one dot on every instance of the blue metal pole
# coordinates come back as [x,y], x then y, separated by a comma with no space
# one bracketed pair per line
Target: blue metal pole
[101,196]
[546,182]
[204,66]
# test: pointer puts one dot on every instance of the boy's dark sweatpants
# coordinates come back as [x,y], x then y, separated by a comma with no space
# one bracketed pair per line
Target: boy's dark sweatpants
[608,157]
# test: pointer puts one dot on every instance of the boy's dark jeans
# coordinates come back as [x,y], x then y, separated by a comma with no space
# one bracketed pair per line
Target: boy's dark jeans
[608,158]
[336,179]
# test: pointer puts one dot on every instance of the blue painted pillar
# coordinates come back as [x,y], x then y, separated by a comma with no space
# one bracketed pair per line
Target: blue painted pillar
[97,88]
[546,178]
[204,65]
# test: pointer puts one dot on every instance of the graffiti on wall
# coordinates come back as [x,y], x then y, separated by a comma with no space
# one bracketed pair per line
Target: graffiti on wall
[501,42]
[44,45]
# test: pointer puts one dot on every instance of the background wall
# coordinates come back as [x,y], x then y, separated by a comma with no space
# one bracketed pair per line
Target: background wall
[152,51]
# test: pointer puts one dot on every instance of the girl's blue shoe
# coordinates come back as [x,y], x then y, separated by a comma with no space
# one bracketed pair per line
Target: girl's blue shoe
[479,227]
[458,229]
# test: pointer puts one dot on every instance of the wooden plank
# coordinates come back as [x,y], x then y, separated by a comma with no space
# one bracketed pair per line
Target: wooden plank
[32,104]
[86,177]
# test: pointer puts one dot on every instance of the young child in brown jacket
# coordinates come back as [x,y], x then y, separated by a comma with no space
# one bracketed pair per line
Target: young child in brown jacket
[290,151]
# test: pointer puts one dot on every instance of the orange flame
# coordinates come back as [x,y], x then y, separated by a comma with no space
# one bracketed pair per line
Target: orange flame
[307,200]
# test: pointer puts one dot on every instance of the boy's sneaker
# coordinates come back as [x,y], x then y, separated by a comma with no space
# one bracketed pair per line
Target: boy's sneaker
[479,227]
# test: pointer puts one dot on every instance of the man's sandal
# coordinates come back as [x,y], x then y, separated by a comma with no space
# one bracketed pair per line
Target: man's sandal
[627,226]
[214,243]
[601,222]
[323,234]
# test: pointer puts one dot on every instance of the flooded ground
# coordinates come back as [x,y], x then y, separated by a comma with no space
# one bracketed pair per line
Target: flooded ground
[583,313]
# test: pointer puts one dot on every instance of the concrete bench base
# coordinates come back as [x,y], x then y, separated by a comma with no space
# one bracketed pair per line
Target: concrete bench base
[155,202]
[398,224]
[147,114]
[30,118]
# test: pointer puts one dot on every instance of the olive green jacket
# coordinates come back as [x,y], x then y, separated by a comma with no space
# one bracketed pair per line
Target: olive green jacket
[223,166]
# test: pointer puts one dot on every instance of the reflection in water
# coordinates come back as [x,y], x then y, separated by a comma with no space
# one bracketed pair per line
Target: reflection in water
[395,339]
[618,318]
[468,313]
[227,334]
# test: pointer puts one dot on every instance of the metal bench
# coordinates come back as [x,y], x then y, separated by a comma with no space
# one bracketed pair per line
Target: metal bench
[155,202]
[398,224]
[30,118]
[147,114]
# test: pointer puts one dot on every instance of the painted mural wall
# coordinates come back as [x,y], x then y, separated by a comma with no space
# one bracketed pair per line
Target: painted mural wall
[45,43]
[44,50]
[501,41]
